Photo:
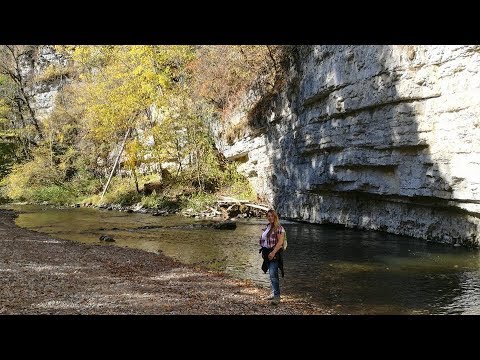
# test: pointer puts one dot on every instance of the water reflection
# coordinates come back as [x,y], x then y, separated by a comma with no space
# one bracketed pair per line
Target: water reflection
[350,270]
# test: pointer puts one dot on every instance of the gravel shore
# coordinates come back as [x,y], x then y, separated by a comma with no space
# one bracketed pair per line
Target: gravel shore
[44,275]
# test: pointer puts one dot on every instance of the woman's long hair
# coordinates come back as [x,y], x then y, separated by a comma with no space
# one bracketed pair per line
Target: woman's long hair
[276,221]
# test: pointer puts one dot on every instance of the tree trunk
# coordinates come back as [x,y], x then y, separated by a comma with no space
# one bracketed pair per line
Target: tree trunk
[200,183]
[197,158]
[273,59]
[136,180]
[34,119]
[51,150]
[19,109]
[160,172]
[116,163]
[179,157]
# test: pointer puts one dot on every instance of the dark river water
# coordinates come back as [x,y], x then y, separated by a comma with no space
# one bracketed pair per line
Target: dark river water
[352,271]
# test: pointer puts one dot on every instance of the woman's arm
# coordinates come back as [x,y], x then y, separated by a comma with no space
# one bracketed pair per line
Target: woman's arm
[277,247]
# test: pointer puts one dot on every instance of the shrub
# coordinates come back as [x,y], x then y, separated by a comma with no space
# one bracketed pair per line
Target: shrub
[93,199]
[199,201]
[84,185]
[3,197]
[53,194]
[150,201]
[241,189]
[122,191]
[160,202]
[36,173]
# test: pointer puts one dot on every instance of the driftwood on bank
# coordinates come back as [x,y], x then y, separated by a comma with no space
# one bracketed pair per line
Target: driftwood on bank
[260,207]
[229,200]
[229,208]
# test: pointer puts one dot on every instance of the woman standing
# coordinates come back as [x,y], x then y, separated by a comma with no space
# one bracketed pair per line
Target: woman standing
[271,242]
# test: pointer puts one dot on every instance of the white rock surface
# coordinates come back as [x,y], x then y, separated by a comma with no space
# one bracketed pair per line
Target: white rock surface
[34,63]
[374,137]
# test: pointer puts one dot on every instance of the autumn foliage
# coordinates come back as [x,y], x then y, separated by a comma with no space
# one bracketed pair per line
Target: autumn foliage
[164,98]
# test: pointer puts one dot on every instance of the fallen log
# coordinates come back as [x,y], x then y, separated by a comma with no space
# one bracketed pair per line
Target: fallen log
[227,199]
[260,207]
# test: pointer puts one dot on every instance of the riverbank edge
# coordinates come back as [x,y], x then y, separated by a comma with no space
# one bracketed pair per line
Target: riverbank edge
[227,294]
[137,208]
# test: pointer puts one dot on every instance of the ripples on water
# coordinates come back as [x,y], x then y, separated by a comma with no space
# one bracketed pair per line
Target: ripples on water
[362,272]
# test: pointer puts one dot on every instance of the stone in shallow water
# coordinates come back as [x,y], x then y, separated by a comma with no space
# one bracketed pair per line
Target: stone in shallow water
[106,238]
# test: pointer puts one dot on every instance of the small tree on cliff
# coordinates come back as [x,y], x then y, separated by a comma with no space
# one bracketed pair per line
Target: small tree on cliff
[15,93]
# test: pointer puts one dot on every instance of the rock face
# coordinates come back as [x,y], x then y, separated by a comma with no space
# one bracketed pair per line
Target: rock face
[372,137]
[45,65]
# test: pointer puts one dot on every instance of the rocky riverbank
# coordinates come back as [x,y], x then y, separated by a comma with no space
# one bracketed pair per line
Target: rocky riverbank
[224,208]
[45,275]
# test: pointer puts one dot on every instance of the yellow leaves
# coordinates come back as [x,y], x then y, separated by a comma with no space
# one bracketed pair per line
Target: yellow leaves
[134,153]
[123,81]
[52,72]
[145,87]
[38,172]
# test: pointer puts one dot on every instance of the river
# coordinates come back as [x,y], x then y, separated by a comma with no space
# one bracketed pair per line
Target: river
[352,271]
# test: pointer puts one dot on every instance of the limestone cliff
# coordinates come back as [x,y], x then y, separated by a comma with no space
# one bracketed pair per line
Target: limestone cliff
[374,137]
[44,71]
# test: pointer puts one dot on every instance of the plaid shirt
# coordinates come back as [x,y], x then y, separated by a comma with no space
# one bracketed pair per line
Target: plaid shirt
[271,240]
